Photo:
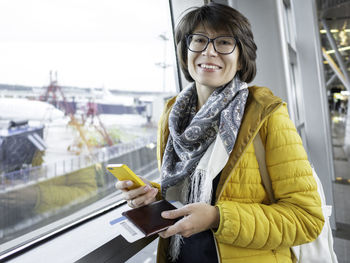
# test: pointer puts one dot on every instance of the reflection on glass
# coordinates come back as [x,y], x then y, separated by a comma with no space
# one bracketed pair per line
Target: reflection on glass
[75,97]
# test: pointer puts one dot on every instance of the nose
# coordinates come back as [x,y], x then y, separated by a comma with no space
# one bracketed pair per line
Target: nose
[210,50]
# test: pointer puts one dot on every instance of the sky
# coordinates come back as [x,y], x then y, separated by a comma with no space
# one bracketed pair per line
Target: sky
[90,43]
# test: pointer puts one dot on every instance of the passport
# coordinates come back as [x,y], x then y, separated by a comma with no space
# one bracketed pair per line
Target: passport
[148,219]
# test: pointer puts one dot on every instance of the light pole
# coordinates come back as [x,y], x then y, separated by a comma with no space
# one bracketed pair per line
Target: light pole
[163,64]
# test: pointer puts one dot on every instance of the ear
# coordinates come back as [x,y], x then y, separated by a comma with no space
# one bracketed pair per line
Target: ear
[239,65]
[239,62]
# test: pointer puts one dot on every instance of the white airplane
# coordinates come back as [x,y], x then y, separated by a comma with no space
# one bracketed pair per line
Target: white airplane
[24,109]
[109,98]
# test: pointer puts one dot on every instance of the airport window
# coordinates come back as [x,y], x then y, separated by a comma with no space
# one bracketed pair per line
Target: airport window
[296,100]
[82,85]
[287,21]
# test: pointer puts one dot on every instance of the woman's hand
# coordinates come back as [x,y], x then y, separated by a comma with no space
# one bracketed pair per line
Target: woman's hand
[198,217]
[140,196]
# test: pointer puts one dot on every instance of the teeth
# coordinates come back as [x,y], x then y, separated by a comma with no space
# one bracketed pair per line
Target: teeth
[209,66]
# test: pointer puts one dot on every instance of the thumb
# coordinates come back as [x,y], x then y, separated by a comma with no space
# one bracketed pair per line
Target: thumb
[171,214]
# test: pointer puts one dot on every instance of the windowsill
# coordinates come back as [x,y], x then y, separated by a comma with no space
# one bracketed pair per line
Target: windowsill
[82,240]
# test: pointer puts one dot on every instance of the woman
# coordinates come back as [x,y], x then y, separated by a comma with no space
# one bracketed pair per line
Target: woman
[208,161]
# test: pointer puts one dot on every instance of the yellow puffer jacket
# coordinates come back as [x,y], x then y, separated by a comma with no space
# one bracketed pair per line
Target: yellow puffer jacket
[250,229]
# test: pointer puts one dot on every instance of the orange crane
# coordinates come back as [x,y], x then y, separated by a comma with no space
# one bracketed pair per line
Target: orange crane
[51,92]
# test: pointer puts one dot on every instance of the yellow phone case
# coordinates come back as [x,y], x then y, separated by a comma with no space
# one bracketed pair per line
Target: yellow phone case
[123,172]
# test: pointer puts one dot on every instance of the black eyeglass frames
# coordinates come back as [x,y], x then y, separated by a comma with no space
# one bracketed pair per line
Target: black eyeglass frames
[222,44]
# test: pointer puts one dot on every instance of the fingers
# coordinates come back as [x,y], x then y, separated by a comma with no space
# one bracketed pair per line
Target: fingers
[140,196]
[147,198]
[123,185]
[134,193]
[172,214]
[172,230]
[131,204]
[181,227]
[137,197]
[131,194]
[195,219]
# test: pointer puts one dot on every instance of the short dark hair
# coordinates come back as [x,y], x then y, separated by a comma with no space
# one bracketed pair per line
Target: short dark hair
[219,17]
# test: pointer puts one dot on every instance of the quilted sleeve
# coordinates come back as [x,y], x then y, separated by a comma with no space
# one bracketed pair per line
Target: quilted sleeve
[297,216]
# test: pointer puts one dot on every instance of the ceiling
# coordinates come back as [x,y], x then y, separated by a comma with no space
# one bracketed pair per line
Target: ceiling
[336,14]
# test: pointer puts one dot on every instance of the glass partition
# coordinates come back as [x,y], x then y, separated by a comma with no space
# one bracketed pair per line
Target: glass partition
[82,85]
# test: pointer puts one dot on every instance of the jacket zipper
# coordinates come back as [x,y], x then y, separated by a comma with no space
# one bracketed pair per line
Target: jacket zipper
[216,247]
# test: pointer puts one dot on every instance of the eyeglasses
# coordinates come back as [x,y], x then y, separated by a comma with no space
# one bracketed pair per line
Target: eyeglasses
[222,44]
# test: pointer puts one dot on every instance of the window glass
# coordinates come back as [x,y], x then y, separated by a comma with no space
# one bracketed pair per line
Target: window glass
[295,92]
[82,85]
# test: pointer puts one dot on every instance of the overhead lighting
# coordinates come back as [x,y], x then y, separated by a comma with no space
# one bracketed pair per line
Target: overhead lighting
[340,49]
[323,31]
[343,35]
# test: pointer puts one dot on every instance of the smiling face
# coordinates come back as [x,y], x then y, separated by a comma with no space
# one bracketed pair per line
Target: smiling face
[209,68]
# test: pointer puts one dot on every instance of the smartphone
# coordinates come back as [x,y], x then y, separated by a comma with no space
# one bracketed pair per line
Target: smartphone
[123,172]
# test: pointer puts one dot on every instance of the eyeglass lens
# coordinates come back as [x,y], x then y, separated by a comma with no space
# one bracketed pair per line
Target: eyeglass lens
[198,43]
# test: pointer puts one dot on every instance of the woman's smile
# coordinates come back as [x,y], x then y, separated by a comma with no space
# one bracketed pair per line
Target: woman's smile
[209,67]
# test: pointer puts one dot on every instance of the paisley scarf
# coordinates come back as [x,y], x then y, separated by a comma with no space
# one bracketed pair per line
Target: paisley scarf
[200,143]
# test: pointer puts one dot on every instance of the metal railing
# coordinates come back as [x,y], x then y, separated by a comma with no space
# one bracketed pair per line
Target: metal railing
[33,175]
